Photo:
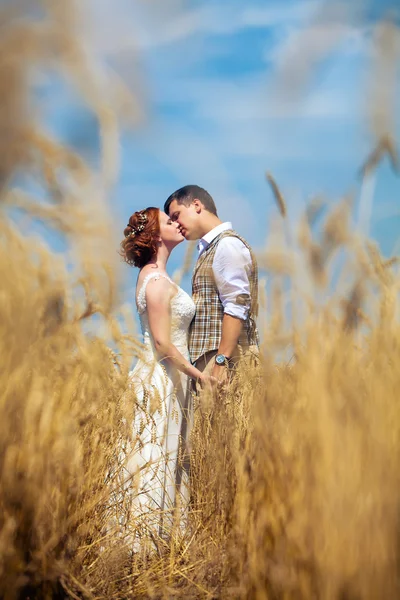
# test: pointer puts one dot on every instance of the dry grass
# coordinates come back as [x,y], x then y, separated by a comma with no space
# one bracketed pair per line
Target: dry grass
[294,469]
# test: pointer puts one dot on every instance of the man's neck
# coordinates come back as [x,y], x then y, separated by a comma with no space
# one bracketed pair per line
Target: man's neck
[210,223]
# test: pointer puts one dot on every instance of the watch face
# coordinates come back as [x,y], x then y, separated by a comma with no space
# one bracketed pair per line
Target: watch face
[220,359]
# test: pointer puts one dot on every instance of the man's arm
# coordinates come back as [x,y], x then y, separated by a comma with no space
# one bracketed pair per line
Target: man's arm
[231,330]
[231,264]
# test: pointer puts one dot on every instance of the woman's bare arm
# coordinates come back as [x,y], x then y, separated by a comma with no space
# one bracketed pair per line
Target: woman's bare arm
[159,293]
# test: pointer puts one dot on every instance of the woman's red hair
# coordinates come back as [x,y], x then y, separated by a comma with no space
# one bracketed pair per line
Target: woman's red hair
[139,248]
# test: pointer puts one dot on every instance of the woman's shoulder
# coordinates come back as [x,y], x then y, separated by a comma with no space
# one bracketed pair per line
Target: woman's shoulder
[149,274]
[158,280]
[154,283]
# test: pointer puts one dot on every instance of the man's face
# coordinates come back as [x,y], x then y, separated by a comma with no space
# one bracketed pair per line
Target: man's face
[187,218]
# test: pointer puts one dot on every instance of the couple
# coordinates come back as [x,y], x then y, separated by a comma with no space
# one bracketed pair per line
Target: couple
[187,340]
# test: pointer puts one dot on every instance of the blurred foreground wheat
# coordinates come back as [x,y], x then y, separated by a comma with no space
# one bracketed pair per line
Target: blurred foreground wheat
[294,470]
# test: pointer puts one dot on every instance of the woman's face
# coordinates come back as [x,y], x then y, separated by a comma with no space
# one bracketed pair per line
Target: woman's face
[169,231]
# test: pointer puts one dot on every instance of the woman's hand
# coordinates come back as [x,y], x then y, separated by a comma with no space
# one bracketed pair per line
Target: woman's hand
[207,380]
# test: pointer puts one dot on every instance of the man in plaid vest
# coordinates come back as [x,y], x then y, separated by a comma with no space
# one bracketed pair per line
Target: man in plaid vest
[224,284]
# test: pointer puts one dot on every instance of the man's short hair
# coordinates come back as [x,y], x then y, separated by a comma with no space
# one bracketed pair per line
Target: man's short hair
[185,195]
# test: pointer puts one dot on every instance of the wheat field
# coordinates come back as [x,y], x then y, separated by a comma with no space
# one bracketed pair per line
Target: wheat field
[295,468]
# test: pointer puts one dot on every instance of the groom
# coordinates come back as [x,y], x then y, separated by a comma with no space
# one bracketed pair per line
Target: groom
[224,284]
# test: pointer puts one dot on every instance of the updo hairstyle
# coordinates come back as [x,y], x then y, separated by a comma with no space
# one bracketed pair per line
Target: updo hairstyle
[140,243]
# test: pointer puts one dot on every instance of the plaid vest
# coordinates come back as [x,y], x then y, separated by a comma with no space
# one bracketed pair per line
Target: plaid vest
[206,327]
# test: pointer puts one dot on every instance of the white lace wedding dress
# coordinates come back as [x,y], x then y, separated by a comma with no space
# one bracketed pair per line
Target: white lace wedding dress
[161,423]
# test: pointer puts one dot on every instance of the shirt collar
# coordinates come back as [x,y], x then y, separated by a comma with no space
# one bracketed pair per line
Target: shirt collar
[206,240]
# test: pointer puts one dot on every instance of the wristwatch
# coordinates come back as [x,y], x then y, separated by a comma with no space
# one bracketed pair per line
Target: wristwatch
[222,360]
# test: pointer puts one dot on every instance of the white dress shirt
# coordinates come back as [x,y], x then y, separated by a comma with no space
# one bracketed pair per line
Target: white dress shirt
[231,265]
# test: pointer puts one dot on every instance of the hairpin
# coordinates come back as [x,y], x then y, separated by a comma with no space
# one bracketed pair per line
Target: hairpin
[142,218]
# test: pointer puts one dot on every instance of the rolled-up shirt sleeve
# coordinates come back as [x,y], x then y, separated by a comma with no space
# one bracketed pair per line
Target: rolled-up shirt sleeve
[231,267]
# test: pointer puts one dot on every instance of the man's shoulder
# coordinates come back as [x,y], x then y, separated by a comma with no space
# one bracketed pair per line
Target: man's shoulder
[231,238]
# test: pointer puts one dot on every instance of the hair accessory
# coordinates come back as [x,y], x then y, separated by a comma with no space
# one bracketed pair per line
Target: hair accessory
[142,218]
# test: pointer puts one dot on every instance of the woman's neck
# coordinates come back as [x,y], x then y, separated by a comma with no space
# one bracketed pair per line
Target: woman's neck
[161,259]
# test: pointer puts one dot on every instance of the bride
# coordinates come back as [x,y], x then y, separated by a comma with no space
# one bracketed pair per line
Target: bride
[161,376]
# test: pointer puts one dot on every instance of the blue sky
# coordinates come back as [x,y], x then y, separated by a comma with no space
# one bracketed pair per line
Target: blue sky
[217,111]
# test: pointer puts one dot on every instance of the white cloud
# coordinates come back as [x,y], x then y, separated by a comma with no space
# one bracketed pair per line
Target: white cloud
[116,26]
[241,115]
[193,157]
[250,100]
[315,42]
[335,30]
[224,19]
[303,32]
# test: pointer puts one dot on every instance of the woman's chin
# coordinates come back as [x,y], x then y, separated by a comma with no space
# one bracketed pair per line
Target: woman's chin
[179,241]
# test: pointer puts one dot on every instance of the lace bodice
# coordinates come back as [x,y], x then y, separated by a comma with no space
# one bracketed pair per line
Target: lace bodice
[182,313]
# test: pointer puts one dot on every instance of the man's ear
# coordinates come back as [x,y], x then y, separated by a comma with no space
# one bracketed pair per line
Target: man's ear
[197,205]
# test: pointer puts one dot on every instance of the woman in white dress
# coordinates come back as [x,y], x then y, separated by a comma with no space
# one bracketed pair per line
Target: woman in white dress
[160,378]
